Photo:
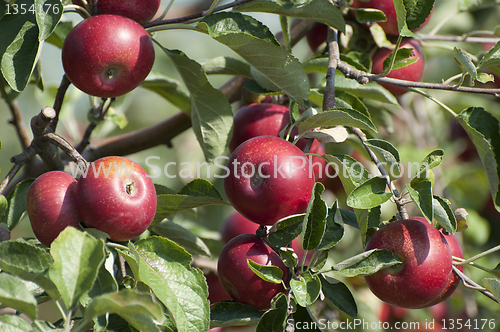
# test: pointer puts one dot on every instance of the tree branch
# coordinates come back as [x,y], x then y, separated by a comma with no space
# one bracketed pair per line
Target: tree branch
[17,120]
[61,92]
[464,38]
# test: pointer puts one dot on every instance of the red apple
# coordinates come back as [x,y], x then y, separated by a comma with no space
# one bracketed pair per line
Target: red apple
[412,72]
[141,11]
[107,55]
[390,26]
[117,197]
[216,292]
[269,178]
[426,268]
[317,36]
[239,281]
[261,119]
[235,224]
[51,205]
[456,250]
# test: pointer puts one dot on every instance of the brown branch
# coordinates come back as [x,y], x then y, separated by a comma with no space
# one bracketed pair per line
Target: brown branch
[58,101]
[469,283]
[17,120]
[364,77]
[67,148]
[465,38]
[333,60]
[99,113]
[194,16]
[40,125]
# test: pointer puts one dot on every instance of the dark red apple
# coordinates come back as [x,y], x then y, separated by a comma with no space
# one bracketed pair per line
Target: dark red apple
[107,55]
[239,281]
[235,224]
[317,36]
[51,205]
[216,292]
[390,26]
[426,268]
[269,178]
[261,119]
[117,197]
[412,72]
[141,11]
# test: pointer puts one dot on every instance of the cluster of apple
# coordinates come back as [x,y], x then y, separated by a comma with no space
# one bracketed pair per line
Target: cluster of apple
[115,196]
[412,72]
[110,54]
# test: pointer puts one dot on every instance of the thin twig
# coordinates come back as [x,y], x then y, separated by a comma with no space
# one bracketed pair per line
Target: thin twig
[469,283]
[467,39]
[333,60]
[100,112]
[195,15]
[67,148]
[40,125]
[17,120]
[58,101]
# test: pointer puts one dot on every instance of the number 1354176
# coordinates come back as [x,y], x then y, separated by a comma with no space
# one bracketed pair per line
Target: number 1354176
[23,8]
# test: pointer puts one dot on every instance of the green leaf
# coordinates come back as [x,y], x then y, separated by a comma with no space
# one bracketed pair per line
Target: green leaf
[256,44]
[365,263]
[402,59]
[48,15]
[211,114]
[367,219]
[169,89]
[351,172]
[15,294]
[4,204]
[493,285]
[317,10]
[353,102]
[387,154]
[369,91]
[370,194]
[228,313]
[339,295]
[138,309]
[165,268]
[422,196]
[417,12]
[305,288]
[369,15]
[171,204]
[286,230]
[444,214]
[77,259]
[337,117]
[334,230]
[200,188]
[320,261]
[484,131]
[105,282]
[288,256]
[349,218]
[491,58]
[117,118]
[432,160]
[28,262]
[303,318]
[274,319]
[315,219]
[224,65]
[17,204]
[465,62]
[267,273]
[59,34]
[12,323]
[183,237]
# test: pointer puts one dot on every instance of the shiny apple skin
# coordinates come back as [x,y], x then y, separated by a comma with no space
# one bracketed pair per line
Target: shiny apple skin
[107,55]
[277,193]
[427,264]
[239,281]
[122,204]
[51,205]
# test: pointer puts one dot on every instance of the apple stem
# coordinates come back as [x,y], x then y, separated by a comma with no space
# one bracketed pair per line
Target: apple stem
[469,283]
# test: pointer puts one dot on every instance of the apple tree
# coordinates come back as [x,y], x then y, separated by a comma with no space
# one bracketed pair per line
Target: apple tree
[267,165]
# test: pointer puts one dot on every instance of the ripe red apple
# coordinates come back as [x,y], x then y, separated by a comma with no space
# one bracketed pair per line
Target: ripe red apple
[317,36]
[387,7]
[239,281]
[235,224]
[141,11]
[107,55]
[412,72]
[269,178]
[117,197]
[256,119]
[216,292]
[51,205]
[426,268]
